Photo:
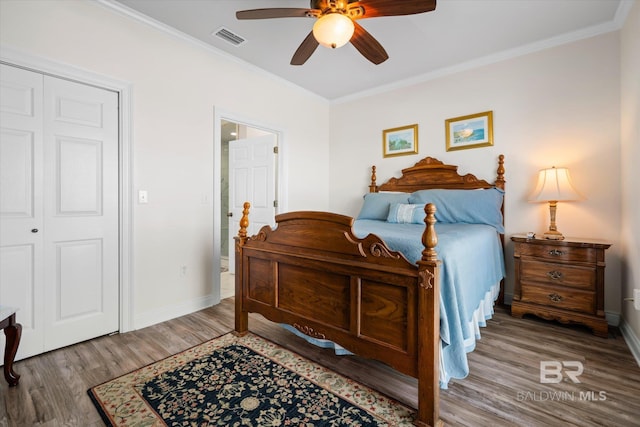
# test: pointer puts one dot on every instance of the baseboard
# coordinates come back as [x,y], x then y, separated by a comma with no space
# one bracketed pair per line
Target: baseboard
[613,319]
[632,340]
[172,311]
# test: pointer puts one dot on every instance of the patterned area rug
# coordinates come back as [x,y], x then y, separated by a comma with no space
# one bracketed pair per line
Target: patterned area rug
[242,381]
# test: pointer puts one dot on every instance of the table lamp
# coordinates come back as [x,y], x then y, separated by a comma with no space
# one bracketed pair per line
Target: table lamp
[554,185]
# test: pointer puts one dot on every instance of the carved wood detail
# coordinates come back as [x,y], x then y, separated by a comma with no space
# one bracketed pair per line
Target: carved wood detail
[426,279]
[431,173]
[379,249]
[307,330]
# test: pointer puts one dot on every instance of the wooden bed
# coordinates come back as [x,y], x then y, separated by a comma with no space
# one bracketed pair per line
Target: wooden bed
[312,272]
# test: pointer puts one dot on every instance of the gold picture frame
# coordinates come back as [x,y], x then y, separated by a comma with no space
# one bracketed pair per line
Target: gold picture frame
[400,141]
[472,131]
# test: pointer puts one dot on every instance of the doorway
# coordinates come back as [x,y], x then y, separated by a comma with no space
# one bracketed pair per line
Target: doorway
[248,172]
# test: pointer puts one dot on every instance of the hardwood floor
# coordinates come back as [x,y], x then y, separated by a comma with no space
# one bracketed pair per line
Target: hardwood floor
[503,388]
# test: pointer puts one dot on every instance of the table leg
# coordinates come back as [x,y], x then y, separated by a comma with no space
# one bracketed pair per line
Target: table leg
[13,332]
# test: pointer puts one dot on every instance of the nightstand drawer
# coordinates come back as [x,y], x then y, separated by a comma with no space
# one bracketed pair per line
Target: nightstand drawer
[560,253]
[559,274]
[567,299]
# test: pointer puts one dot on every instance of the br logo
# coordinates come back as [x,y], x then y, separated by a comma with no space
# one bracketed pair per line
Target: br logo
[552,372]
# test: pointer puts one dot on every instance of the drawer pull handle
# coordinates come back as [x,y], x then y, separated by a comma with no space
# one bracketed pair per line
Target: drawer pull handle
[555,275]
[555,297]
[555,252]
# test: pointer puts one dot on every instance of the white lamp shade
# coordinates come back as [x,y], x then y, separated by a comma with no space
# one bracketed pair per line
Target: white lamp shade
[554,184]
[333,30]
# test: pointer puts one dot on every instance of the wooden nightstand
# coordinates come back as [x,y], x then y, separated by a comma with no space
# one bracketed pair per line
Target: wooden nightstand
[560,280]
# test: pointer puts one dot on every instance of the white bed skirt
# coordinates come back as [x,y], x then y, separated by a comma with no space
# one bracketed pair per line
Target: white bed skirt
[481,314]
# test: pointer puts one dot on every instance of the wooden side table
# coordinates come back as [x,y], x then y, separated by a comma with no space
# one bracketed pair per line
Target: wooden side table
[12,332]
[561,280]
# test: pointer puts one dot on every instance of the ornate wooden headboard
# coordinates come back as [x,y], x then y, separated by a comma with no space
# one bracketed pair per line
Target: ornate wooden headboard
[431,173]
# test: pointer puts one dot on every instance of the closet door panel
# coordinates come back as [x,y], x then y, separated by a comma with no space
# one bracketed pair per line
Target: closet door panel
[21,204]
[81,212]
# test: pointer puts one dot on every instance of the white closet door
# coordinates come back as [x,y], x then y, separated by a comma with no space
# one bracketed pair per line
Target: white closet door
[80,211]
[58,209]
[21,211]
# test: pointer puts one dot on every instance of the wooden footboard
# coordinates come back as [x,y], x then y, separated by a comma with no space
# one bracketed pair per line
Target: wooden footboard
[313,273]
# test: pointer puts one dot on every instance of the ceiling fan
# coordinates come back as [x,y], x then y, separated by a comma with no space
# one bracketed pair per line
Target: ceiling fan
[336,23]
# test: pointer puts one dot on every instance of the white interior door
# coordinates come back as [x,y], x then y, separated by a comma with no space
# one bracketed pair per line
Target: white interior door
[21,205]
[251,179]
[59,209]
[81,212]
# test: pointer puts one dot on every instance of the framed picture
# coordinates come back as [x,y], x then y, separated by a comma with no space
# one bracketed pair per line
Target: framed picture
[400,141]
[475,130]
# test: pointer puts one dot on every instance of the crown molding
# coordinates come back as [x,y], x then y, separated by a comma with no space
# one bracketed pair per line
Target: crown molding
[624,8]
[615,24]
[574,36]
[179,35]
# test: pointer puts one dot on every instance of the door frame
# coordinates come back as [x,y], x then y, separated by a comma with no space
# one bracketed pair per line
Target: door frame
[20,59]
[220,114]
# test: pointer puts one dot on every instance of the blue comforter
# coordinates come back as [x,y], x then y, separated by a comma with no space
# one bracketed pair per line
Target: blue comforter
[472,264]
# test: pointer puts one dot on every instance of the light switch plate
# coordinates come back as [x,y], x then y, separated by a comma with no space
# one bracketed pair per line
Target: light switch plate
[143,196]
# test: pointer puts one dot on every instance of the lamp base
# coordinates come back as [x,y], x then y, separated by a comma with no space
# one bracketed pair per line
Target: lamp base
[553,235]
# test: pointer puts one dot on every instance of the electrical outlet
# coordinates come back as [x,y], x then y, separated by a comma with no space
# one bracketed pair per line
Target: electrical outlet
[183,270]
[636,299]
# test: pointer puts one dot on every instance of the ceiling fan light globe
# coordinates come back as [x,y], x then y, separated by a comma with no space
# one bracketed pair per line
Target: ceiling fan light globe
[333,30]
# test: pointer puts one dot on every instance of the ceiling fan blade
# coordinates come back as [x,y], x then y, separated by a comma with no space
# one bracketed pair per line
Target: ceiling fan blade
[275,12]
[368,46]
[377,8]
[305,50]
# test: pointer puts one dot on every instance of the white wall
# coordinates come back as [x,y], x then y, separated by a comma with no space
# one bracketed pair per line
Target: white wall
[556,107]
[630,88]
[176,86]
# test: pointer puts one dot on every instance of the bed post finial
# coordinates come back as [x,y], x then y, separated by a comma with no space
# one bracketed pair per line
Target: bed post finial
[429,237]
[373,188]
[244,223]
[500,178]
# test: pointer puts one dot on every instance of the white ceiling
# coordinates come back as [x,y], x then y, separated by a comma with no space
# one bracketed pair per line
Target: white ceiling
[459,34]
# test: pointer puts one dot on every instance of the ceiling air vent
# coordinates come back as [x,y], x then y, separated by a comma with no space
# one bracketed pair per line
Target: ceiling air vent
[229,36]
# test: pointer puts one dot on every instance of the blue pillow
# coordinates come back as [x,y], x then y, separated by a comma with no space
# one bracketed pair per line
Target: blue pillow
[402,213]
[467,206]
[376,205]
